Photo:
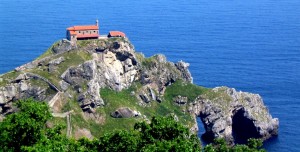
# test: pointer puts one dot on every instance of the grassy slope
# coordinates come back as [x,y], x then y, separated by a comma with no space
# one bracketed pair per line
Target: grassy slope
[116,100]
[72,59]
[7,77]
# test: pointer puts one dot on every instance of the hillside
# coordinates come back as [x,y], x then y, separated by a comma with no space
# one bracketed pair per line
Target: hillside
[98,86]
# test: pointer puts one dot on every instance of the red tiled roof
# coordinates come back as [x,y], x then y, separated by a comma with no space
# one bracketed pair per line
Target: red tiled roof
[83,27]
[116,33]
[72,32]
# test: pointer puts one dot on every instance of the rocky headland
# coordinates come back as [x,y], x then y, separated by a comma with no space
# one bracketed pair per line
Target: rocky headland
[108,86]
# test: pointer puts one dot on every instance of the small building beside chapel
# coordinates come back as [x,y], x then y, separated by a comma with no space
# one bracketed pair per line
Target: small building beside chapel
[83,32]
[116,34]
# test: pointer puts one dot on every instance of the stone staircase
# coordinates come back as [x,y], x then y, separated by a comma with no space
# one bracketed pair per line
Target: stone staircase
[54,99]
[68,116]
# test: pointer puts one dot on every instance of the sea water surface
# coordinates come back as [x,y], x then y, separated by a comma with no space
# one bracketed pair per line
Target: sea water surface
[252,45]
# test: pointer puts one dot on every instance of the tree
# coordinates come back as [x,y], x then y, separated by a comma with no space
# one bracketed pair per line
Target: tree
[162,134]
[25,127]
[25,130]
[220,145]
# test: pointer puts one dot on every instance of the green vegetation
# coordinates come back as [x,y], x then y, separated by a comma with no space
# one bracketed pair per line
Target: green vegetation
[24,128]
[219,145]
[162,134]
[148,62]
[48,52]
[78,120]
[124,98]
[7,77]
[83,43]
[72,59]
[185,89]
[26,131]
[100,42]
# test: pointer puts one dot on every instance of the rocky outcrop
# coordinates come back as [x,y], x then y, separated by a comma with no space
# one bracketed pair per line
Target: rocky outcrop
[22,87]
[146,94]
[52,65]
[183,68]
[159,73]
[235,116]
[62,46]
[180,100]
[114,66]
[83,132]
[125,113]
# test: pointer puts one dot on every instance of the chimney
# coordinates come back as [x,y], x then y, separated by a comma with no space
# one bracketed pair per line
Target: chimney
[97,23]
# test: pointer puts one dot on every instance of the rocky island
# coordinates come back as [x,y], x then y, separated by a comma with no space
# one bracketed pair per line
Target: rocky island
[102,85]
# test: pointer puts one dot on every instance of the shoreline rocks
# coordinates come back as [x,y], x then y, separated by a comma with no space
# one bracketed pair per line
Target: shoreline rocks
[234,116]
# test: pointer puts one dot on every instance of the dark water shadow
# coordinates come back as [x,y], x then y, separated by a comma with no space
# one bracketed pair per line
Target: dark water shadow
[201,131]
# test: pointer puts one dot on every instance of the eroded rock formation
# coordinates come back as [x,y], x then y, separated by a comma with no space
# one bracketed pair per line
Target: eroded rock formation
[235,116]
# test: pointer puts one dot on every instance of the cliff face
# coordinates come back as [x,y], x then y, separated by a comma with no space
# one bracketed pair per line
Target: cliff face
[235,116]
[141,87]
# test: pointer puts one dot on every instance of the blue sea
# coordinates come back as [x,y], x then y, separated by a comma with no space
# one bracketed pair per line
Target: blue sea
[250,45]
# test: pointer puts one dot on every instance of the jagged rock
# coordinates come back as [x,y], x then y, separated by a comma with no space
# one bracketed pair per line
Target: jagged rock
[145,98]
[183,67]
[52,65]
[158,99]
[181,100]
[235,116]
[152,94]
[83,132]
[100,49]
[64,85]
[23,86]
[119,68]
[125,113]
[161,58]
[77,75]
[8,108]
[97,118]
[57,61]
[160,73]
[147,94]
[20,78]
[62,46]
